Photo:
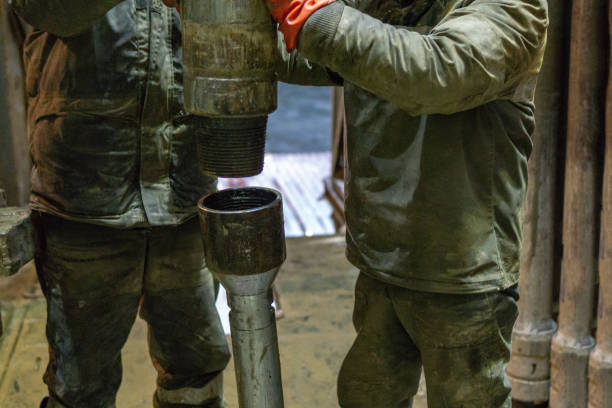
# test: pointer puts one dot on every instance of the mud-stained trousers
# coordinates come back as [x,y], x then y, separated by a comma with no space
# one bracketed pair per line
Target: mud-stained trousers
[461,341]
[96,279]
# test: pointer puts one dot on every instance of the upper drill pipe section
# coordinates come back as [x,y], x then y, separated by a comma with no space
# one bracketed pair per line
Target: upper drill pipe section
[229,50]
[243,230]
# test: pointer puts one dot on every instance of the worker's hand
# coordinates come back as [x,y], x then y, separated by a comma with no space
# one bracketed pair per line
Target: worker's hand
[291,16]
[172,3]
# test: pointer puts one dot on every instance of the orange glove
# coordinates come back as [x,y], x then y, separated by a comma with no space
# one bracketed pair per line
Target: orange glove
[172,3]
[291,16]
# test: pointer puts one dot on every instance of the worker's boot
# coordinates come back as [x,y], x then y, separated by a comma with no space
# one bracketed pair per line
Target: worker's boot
[216,403]
[209,396]
[49,402]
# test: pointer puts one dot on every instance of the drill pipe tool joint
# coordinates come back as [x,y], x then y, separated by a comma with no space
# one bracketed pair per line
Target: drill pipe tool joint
[244,245]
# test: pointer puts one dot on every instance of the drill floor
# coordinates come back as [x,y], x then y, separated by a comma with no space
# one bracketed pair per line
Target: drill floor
[316,288]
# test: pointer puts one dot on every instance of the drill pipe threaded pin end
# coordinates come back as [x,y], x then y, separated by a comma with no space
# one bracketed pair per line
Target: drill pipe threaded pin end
[232,147]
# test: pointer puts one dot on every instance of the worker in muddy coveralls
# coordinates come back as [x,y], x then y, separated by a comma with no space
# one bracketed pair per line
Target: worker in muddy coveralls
[115,183]
[439,99]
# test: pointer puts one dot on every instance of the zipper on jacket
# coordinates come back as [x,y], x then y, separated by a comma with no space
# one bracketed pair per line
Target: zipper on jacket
[143,5]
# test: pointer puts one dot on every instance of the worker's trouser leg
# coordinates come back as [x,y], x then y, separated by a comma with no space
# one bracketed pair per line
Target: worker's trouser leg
[94,279]
[462,342]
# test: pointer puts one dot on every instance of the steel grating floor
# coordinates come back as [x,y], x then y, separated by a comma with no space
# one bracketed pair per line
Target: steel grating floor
[299,178]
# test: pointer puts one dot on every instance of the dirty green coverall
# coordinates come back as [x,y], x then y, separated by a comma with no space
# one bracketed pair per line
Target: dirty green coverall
[439,99]
[115,183]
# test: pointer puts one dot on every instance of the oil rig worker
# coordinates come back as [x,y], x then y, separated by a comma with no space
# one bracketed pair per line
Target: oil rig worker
[439,98]
[115,182]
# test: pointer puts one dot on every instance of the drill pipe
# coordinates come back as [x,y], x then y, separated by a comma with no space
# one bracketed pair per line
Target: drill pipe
[573,342]
[230,51]
[529,368]
[600,363]
[244,245]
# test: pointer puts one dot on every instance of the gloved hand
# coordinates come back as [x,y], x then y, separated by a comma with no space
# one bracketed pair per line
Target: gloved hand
[172,3]
[291,16]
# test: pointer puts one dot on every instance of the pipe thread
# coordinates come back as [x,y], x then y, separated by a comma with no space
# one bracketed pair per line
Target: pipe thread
[232,147]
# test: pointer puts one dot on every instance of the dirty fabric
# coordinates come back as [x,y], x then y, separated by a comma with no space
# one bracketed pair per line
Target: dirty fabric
[96,279]
[110,141]
[440,113]
[462,341]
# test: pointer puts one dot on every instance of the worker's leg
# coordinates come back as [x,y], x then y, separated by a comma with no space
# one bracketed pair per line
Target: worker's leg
[92,279]
[383,367]
[464,342]
[186,339]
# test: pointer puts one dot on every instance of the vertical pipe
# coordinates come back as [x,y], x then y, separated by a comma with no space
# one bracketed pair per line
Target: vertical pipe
[14,157]
[573,342]
[2,204]
[600,363]
[529,368]
[244,246]
[255,346]
[230,50]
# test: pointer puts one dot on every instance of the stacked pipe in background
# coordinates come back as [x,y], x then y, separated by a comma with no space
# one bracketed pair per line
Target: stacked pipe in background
[573,342]
[600,363]
[529,369]
[578,376]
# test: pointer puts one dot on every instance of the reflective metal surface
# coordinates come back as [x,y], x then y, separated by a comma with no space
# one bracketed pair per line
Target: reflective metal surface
[244,243]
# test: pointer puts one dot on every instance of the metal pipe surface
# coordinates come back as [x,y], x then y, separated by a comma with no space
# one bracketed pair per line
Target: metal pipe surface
[230,52]
[600,363]
[244,245]
[529,368]
[573,342]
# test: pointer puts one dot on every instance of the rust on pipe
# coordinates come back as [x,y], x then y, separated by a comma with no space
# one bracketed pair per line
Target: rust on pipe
[573,342]
[529,368]
[600,364]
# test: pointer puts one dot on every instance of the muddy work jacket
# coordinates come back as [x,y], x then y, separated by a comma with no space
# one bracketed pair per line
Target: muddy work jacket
[110,142]
[439,105]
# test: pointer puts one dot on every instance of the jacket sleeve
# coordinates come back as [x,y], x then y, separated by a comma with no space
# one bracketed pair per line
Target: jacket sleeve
[481,51]
[293,68]
[64,18]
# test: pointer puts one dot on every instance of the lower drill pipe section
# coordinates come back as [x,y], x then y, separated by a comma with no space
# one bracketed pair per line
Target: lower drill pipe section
[244,245]
[256,356]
